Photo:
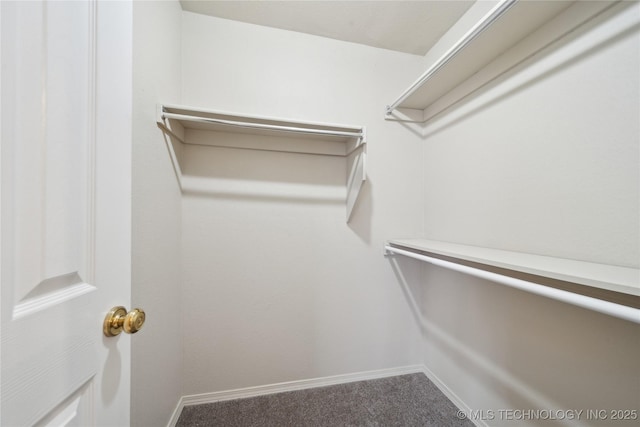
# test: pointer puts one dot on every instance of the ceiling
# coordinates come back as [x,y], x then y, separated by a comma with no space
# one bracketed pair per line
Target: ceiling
[405,26]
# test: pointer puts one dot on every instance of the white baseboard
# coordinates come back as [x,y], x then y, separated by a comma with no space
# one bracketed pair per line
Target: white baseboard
[176,414]
[452,396]
[241,393]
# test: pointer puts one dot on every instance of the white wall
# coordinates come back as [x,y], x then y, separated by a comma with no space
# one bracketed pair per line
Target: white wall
[157,349]
[277,287]
[546,161]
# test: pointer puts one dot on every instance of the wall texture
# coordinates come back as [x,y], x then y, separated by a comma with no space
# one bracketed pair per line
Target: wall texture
[278,287]
[545,161]
[157,349]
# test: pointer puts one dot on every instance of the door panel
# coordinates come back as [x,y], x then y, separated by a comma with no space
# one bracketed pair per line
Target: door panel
[53,146]
[52,349]
[73,412]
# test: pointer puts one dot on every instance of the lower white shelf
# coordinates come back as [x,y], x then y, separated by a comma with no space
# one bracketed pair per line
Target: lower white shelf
[621,280]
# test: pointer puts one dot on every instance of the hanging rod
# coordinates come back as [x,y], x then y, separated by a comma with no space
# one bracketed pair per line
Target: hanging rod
[493,15]
[612,309]
[264,126]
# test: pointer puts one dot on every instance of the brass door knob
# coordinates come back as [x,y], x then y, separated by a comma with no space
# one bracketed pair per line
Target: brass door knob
[117,320]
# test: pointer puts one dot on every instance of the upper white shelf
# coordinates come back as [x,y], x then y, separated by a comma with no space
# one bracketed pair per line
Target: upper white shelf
[186,123]
[189,125]
[510,33]
[618,279]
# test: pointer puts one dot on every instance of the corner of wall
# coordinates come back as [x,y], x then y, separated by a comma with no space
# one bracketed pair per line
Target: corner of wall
[156,239]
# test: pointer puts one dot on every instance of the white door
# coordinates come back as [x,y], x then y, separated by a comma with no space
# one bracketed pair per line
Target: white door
[65,211]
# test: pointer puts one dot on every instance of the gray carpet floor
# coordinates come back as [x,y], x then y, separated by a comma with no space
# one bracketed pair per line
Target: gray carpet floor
[405,400]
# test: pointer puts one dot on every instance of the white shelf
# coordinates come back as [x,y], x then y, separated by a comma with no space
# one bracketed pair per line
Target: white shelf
[610,277]
[192,125]
[291,136]
[510,33]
